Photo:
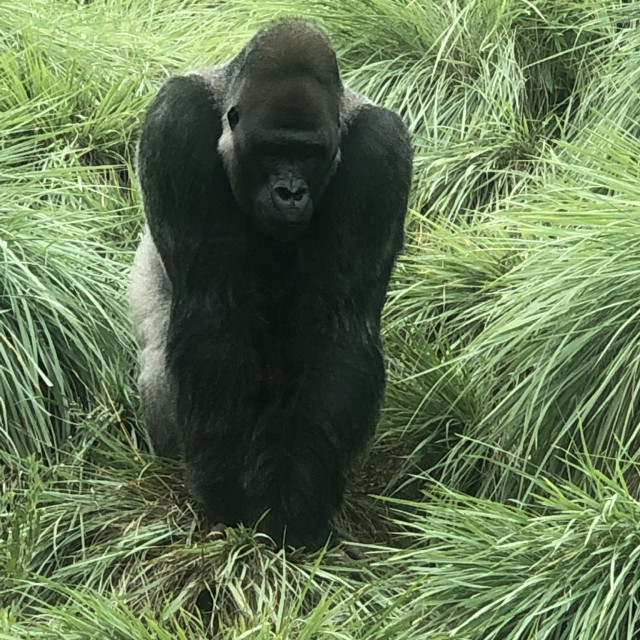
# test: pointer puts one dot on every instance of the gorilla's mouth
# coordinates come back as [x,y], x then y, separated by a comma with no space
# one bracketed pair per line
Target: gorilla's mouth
[284,230]
[284,223]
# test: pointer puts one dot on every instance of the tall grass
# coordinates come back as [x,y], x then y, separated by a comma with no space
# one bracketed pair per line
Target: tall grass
[500,497]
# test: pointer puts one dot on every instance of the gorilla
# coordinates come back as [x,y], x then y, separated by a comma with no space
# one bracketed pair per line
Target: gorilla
[275,200]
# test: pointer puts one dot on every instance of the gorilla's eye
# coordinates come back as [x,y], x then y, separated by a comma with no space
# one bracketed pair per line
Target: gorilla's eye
[232,117]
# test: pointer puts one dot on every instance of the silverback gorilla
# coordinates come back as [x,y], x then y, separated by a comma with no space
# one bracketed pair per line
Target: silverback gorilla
[275,199]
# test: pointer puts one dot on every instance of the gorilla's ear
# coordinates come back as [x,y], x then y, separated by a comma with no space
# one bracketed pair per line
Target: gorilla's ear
[182,177]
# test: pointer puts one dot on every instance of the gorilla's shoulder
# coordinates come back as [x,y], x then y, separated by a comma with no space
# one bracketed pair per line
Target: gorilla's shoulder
[352,103]
[216,79]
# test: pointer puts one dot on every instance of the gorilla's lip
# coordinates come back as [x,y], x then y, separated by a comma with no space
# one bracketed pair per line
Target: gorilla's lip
[285,230]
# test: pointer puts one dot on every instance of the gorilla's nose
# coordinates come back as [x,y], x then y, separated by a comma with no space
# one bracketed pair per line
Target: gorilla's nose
[291,193]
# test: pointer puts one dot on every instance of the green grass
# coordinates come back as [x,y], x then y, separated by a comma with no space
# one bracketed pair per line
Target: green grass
[499,500]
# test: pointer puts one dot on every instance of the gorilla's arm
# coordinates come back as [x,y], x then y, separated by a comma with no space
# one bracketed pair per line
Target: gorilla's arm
[302,454]
[199,234]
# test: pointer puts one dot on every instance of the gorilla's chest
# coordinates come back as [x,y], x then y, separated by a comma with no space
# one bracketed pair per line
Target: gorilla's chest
[282,308]
[278,285]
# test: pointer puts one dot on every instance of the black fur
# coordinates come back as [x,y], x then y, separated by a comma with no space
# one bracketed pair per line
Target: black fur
[261,358]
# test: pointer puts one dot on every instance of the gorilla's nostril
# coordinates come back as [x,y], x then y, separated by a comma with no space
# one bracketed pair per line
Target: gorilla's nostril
[292,194]
[299,194]
[282,193]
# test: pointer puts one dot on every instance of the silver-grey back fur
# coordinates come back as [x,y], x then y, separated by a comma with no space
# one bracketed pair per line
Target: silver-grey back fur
[150,303]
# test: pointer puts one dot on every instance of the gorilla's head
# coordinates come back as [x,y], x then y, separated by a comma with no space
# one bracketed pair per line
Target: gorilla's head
[281,126]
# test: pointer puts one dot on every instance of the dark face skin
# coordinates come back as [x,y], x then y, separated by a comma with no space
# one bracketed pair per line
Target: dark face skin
[285,149]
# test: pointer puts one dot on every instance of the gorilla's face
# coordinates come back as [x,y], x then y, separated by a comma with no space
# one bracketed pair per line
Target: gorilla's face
[280,146]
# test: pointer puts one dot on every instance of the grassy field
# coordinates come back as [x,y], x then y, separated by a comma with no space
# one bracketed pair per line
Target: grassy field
[500,498]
